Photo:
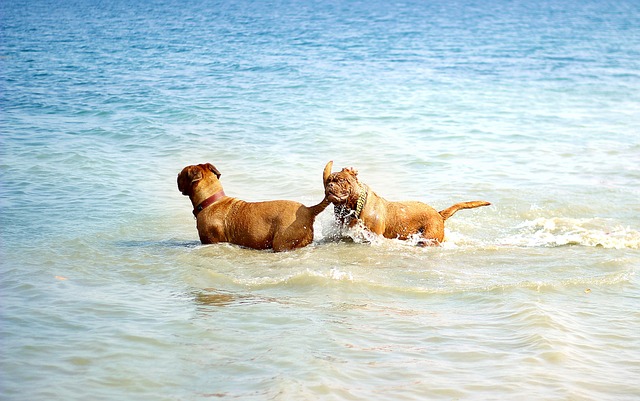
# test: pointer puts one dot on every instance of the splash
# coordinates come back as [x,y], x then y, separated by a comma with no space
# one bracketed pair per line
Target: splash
[558,231]
[540,232]
[337,274]
[360,234]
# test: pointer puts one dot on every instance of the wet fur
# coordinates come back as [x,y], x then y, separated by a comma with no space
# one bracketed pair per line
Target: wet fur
[280,225]
[395,220]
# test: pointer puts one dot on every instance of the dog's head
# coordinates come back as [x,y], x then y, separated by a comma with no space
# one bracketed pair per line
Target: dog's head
[341,187]
[190,176]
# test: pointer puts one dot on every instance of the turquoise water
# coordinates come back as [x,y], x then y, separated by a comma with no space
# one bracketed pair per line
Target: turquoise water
[107,294]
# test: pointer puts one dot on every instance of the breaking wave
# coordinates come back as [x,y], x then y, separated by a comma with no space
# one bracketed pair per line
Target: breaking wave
[540,232]
[559,231]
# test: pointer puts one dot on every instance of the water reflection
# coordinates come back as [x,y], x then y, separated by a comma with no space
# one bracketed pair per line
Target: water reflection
[205,298]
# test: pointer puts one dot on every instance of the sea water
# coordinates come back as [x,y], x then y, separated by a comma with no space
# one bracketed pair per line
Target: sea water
[107,294]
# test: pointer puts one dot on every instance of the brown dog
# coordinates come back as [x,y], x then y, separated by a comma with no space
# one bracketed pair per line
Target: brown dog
[281,225]
[355,202]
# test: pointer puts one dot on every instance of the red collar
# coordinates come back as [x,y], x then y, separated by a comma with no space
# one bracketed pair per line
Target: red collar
[210,200]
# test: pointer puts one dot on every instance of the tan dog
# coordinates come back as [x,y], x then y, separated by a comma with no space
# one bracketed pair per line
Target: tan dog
[355,202]
[281,225]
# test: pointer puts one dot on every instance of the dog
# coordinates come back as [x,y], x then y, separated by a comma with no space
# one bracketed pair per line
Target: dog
[280,225]
[355,202]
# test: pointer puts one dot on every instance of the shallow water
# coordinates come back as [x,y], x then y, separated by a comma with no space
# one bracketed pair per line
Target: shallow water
[107,293]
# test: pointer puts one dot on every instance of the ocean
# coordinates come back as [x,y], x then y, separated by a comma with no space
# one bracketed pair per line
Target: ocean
[107,293]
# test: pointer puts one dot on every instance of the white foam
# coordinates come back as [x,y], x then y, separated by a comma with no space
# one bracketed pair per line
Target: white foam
[559,231]
[336,274]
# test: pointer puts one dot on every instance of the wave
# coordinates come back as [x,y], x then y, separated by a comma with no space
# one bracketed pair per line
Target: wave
[355,261]
[561,231]
[540,232]
[384,283]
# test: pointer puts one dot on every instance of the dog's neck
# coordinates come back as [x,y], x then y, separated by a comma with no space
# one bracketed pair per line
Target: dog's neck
[362,199]
[201,199]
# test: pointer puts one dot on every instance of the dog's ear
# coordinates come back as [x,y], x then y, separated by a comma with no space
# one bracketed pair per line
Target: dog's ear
[327,172]
[351,171]
[187,177]
[213,169]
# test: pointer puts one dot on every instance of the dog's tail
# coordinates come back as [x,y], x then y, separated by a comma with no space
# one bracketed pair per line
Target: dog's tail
[448,212]
[317,209]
